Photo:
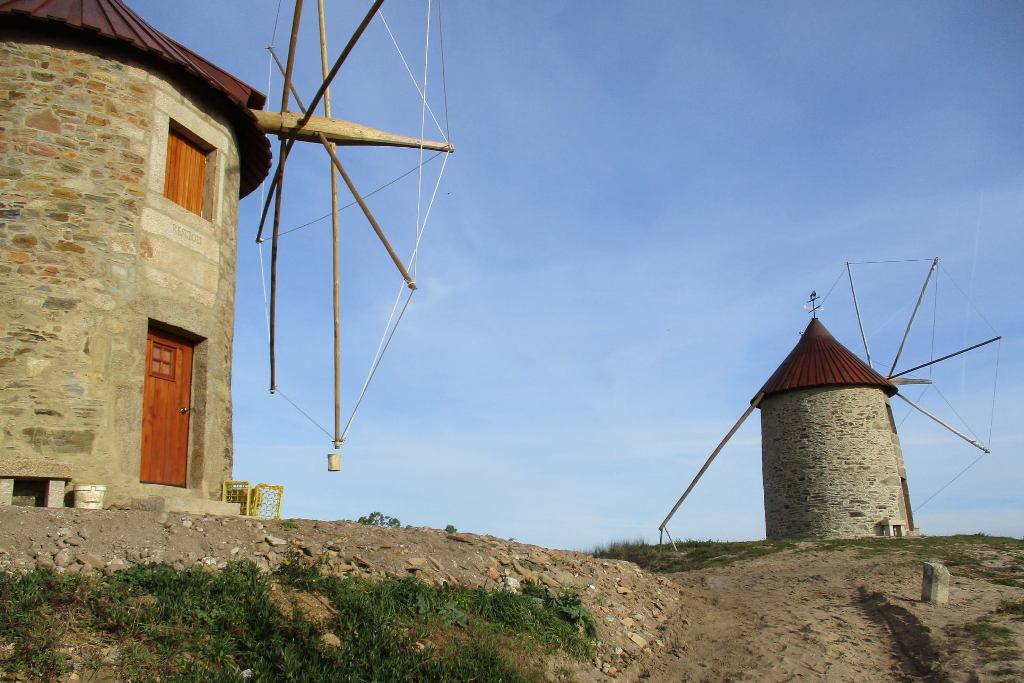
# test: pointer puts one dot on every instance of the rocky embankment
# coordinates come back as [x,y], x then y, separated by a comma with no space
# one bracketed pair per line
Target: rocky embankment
[631,606]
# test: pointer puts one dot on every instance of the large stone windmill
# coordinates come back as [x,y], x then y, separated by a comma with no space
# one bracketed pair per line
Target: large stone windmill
[830,456]
[122,161]
[832,465]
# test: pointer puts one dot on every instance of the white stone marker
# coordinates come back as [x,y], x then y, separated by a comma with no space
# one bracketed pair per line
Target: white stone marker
[935,583]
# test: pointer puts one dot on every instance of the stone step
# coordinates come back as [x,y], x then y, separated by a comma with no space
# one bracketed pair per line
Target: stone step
[189,504]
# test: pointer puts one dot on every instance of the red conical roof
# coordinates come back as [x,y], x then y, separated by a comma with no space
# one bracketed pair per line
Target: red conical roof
[112,24]
[818,360]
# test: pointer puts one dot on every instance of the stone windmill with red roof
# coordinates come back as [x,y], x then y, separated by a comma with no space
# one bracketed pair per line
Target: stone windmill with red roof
[123,158]
[831,461]
[831,458]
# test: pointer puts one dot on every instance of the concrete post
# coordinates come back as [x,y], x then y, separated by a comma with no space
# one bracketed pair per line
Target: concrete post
[935,583]
[55,493]
[6,491]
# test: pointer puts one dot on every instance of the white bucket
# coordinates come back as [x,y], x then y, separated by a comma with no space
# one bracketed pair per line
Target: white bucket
[89,496]
[333,462]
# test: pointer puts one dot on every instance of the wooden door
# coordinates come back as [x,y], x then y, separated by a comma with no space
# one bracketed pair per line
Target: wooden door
[166,408]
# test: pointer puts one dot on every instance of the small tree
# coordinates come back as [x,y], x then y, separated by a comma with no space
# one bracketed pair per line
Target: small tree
[381,520]
[450,529]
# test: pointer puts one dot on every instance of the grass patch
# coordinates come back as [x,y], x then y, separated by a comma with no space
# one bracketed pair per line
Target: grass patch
[537,617]
[968,555]
[1014,609]
[152,622]
[35,618]
[964,554]
[690,556]
[989,635]
[994,643]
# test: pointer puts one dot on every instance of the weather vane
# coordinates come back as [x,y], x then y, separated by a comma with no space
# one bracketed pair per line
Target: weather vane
[812,306]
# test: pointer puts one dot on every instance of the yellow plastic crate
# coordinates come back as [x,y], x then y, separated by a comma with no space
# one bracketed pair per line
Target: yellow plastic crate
[265,501]
[237,491]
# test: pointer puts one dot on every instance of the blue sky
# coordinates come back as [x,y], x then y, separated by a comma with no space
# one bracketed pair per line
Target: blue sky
[641,200]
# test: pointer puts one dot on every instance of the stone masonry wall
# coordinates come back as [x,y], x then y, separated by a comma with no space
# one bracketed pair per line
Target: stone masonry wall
[829,463]
[91,252]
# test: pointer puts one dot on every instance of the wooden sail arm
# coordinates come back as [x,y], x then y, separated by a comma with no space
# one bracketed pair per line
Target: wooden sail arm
[369,214]
[892,378]
[977,444]
[913,314]
[338,131]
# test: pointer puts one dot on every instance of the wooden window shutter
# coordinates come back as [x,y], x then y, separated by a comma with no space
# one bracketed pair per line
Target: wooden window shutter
[184,182]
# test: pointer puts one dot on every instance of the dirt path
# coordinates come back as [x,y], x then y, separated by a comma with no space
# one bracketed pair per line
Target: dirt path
[817,616]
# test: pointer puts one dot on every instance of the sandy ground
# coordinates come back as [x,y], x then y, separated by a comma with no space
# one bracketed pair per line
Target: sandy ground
[831,616]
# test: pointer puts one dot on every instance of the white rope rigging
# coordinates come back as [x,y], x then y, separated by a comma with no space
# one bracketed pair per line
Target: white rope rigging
[968,298]
[839,277]
[263,284]
[421,218]
[910,411]
[423,121]
[304,413]
[422,215]
[385,342]
[960,417]
[950,482]
[367,195]
[389,330]
[443,133]
[995,384]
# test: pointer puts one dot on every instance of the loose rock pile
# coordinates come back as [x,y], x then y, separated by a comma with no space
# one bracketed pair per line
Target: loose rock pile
[630,606]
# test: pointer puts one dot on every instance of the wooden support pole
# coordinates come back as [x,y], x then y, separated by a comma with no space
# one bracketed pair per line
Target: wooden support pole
[293,39]
[913,314]
[279,172]
[338,131]
[295,93]
[860,321]
[753,404]
[335,248]
[369,215]
[273,273]
[266,204]
[670,539]
[296,16]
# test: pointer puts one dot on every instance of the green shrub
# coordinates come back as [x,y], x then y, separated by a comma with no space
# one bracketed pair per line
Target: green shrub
[381,520]
[196,625]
